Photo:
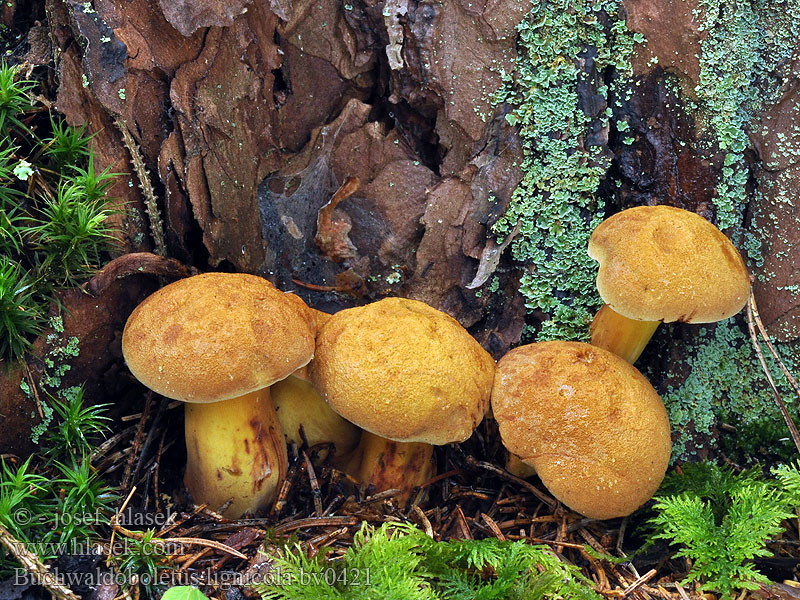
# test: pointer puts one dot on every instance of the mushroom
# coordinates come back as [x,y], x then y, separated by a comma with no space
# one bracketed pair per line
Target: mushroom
[588,422]
[517,467]
[410,376]
[662,264]
[300,406]
[217,341]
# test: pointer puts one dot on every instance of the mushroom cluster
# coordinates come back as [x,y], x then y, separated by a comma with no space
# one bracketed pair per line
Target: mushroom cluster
[217,341]
[385,382]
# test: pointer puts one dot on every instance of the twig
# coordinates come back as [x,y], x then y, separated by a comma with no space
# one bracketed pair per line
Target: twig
[148,441]
[561,533]
[113,522]
[32,385]
[283,493]
[317,522]
[199,542]
[137,442]
[312,480]
[643,579]
[151,206]
[768,341]
[109,443]
[681,591]
[326,538]
[621,536]
[137,263]
[41,573]
[493,526]
[170,527]
[754,338]
[509,477]
[380,496]
[461,521]
[138,535]
[190,560]
[426,524]
[598,547]
[156,493]
[535,540]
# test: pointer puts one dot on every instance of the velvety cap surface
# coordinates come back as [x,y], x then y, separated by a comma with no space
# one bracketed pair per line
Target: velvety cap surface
[590,424]
[660,263]
[217,336]
[404,371]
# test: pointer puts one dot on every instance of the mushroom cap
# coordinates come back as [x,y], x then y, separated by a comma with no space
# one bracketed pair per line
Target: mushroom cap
[661,263]
[217,336]
[590,424]
[403,371]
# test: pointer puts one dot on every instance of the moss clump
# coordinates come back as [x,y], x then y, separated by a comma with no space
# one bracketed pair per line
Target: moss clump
[564,47]
[727,385]
[397,561]
[53,212]
[720,520]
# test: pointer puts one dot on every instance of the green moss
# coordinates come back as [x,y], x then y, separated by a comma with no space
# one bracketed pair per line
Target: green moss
[563,44]
[55,233]
[727,385]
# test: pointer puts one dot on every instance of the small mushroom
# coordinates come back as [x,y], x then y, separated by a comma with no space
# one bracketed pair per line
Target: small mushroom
[589,423]
[662,264]
[217,341]
[300,406]
[408,374]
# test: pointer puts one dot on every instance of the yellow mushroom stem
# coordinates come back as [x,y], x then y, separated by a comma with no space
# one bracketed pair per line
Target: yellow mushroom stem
[623,336]
[516,466]
[235,451]
[299,404]
[387,464]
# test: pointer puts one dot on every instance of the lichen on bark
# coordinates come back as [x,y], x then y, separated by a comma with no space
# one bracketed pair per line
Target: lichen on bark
[559,100]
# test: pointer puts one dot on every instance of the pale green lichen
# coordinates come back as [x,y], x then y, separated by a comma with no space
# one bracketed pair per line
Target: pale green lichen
[562,44]
[744,44]
[726,384]
[56,365]
[741,74]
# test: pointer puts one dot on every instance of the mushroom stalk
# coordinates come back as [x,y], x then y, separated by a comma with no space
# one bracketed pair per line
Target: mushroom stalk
[624,337]
[299,404]
[235,451]
[387,464]
[518,468]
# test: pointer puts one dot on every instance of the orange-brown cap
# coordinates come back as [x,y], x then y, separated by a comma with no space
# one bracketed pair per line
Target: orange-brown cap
[404,371]
[590,424]
[217,336]
[660,263]
[320,318]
